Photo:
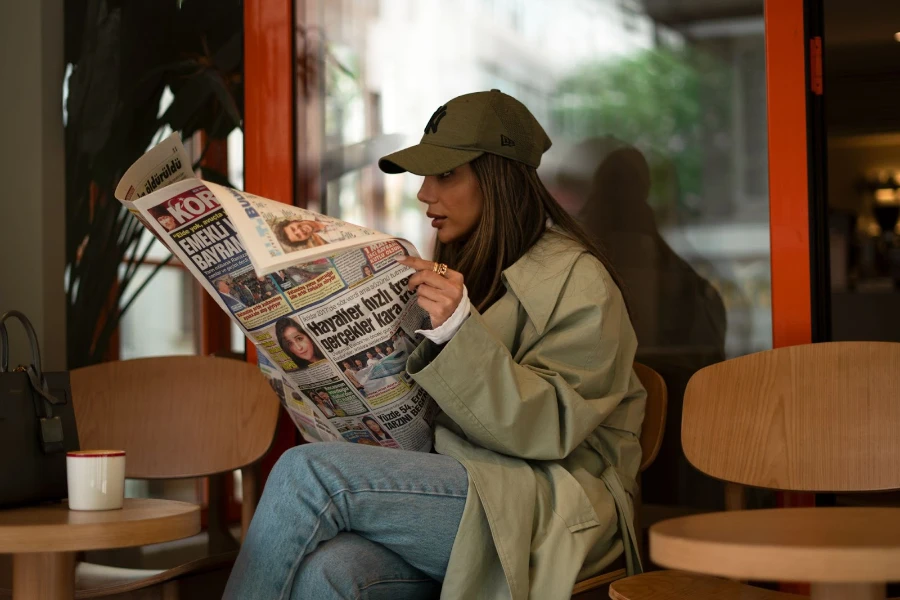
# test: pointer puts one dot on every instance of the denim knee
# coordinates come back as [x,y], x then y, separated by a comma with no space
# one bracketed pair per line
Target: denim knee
[352,567]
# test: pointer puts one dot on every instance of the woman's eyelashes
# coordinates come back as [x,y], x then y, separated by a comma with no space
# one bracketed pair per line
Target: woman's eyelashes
[445,175]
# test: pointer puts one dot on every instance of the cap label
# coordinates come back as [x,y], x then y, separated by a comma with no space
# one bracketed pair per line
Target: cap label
[435,119]
[505,141]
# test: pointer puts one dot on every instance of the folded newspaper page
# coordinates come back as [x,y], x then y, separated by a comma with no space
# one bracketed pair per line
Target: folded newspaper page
[323,301]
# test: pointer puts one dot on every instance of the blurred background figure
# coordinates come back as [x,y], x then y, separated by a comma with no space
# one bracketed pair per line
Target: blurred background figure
[678,315]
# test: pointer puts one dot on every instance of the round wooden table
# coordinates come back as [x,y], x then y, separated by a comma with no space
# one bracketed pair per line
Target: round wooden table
[44,539]
[842,552]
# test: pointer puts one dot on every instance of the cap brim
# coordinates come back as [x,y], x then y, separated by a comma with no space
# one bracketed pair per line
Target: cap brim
[427,159]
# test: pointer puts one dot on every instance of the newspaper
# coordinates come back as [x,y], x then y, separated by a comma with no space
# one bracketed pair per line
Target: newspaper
[324,301]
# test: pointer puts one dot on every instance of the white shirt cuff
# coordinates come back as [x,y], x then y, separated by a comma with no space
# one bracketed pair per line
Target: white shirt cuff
[441,335]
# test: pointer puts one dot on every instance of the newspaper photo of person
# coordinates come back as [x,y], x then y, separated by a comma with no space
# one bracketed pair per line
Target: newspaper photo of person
[299,234]
[234,292]
[278,386]
[252,289]
[367,271]
[298,346]
[300,274]
[321,399]
[229,294]
[400,341]
[350,374]
[281,278]
[375,429]
[377,367]
[168,222]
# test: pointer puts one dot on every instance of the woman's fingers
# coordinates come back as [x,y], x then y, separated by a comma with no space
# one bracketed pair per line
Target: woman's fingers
[439,304]
[435,310]
[413,262]
[426,291]
[439,295]
[427,266]
[433,279]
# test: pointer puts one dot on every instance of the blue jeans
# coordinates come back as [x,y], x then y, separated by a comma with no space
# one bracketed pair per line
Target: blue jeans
[341,520]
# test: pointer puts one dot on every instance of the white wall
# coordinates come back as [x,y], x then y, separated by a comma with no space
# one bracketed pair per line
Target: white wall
[32,203]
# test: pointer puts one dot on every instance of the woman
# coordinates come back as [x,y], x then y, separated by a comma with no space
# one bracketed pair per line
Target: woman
[530,361]
[375,429]
[295,343]
[367,271]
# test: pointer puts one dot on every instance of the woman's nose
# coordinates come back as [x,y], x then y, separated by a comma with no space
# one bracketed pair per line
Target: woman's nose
[426,194]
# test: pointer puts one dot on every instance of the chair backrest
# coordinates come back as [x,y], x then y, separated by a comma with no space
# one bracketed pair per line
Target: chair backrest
[654,413]
[818,417]
[176,416]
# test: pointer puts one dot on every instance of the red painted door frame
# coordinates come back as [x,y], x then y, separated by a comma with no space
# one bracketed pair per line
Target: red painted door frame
[787,85]
[269,131]
[788,172]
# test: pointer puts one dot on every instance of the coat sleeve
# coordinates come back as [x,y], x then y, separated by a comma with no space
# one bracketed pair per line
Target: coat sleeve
[563,386]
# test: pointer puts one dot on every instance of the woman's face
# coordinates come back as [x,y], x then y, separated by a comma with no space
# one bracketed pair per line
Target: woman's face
[374,427]
[454,203]
[369,355]
[299,344]
[358,363]
[298,231]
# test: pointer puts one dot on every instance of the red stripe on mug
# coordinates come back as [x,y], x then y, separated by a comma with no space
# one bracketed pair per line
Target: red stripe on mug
[95,453]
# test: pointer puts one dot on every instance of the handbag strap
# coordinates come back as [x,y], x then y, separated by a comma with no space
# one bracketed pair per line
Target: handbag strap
[32,338]
[34,371]
[51,432]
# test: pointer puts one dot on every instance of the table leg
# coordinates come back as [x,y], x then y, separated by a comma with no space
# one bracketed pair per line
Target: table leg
[843,591]
[44,576]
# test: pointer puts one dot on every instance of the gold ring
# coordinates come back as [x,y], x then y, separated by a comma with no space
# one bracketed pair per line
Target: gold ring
[440,269]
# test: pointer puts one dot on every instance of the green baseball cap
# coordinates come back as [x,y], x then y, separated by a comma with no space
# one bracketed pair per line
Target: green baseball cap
[467,127]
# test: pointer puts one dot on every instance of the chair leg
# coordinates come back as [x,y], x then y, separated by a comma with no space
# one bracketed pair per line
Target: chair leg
[250,496]
[220,539]
[170,590]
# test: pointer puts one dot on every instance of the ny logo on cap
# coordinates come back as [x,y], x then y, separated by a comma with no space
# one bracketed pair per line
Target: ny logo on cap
[435,119]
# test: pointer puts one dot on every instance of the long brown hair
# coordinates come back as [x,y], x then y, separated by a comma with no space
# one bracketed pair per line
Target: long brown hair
[514,217]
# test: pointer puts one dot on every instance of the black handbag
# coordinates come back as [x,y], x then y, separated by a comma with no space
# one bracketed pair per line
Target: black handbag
[37,426]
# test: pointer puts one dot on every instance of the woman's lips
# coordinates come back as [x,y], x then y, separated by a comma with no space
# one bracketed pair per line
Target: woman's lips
[436,220]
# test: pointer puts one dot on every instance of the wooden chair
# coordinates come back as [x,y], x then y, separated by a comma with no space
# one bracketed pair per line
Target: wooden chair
[176,417]
[651,439]
[812,418]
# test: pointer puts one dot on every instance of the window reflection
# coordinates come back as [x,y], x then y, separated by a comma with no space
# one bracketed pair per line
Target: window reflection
[657,115]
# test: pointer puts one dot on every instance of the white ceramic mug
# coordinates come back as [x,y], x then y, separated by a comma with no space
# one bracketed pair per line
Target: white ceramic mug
[96,479]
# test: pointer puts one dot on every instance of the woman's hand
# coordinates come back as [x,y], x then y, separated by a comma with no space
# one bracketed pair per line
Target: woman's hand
[439,295]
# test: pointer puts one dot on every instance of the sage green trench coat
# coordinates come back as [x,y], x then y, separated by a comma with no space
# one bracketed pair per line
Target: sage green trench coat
[542,407]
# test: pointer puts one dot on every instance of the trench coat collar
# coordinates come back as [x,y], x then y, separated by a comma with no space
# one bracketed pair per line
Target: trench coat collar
[545,267]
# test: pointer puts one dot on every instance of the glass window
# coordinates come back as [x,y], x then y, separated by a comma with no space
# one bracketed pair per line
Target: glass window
[861,60]
[659,149]
[161,319]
